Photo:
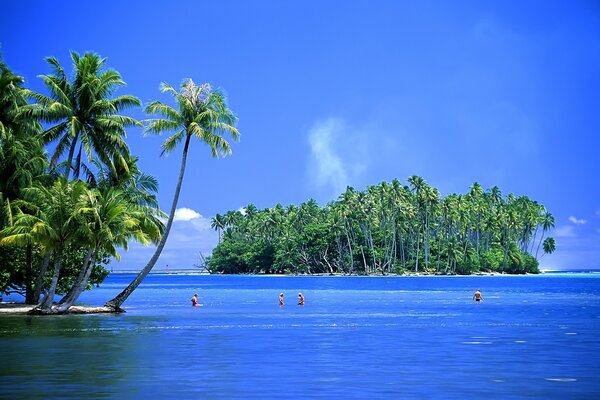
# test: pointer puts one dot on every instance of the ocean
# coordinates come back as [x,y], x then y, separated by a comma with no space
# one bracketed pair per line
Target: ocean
[533,337]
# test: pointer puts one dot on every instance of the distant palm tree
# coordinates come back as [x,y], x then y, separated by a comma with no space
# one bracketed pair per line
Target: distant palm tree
[203,113]
[549,245]
[547,224]
[218,224]
[83,111]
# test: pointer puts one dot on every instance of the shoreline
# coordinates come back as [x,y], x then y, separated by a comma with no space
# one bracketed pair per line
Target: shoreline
[24,309]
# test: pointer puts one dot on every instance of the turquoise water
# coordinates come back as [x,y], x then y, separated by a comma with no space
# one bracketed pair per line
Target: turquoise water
[533,337]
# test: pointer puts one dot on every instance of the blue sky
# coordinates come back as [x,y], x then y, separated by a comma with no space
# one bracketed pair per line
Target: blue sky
[336,93]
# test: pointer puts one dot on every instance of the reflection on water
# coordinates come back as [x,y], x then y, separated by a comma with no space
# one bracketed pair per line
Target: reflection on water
[354,338]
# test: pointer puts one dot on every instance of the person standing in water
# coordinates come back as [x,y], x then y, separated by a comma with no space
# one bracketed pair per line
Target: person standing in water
[477,296]
[195,300]
[300,299]
[281,299]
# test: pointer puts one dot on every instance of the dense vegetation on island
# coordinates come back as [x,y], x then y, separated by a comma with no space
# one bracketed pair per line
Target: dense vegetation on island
[388,228]
[64,216]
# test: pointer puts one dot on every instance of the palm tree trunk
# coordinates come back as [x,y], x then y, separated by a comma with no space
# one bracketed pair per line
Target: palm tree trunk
[417,258]
[538,246]
[80,284]
[80,277]
[70,158]
[39,281]
[28,274]
[49,298]
[121,297]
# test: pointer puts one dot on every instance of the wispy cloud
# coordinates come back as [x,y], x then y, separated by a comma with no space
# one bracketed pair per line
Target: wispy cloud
[564,231]
[577,221]
[327,166]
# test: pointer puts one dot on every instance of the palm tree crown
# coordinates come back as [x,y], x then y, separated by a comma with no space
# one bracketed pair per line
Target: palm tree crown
[83,111]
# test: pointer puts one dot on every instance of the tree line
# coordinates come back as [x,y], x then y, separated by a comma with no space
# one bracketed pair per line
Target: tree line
[65,215]
[387,228]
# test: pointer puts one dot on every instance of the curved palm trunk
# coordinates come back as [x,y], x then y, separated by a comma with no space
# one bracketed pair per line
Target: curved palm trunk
[49,298]
[121,297]
[80,277]
[538,246]
[70,158]
[39,281]
[79,285]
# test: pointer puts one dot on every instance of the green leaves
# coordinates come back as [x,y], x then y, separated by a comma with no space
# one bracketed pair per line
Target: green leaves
[82,110]
[384,229]
[202,113]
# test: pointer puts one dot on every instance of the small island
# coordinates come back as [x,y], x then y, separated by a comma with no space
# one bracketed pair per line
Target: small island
[386,229]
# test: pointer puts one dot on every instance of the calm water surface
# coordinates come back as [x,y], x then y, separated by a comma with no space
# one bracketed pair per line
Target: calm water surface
[533,337]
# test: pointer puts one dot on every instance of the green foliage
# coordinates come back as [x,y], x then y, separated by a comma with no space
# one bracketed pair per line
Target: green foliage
[549,245]
[72,263]
[40,213]
[13,269]
[388,228]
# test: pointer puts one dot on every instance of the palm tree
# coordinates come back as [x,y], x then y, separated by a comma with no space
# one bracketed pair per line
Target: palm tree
[547,223]
[109,221]
[218,224]
[82,111]
[549,245]
[54,223]
[22,158]
[203,113]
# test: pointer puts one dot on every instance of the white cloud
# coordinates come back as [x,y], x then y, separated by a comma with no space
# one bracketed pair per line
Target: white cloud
[190,234]
[185,214]
[564,231]
[577,221]
[328,167]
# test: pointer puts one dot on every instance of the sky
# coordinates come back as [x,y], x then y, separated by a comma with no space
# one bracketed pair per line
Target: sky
[337,93]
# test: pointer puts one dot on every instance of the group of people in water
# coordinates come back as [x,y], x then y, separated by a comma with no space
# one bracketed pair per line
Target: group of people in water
[195,302]
[477,296]
[300,299]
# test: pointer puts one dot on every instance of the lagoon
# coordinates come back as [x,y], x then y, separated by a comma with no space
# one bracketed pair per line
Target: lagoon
[356,337]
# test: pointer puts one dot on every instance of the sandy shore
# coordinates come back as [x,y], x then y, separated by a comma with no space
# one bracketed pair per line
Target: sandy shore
[20,308]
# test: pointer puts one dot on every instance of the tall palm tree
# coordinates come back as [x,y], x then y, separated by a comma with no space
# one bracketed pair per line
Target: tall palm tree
[203,113]
[82,114]
[22,158]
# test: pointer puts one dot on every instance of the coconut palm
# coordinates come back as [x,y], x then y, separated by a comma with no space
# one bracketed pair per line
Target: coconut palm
[549,245]
[22,158]
[53,224]
[109,221]
[203,114]
[139,189]
[81,112]
[218,224]
[547,224]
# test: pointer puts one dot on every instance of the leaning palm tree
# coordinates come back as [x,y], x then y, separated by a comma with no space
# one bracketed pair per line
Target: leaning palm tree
[203,113]
[81,113]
